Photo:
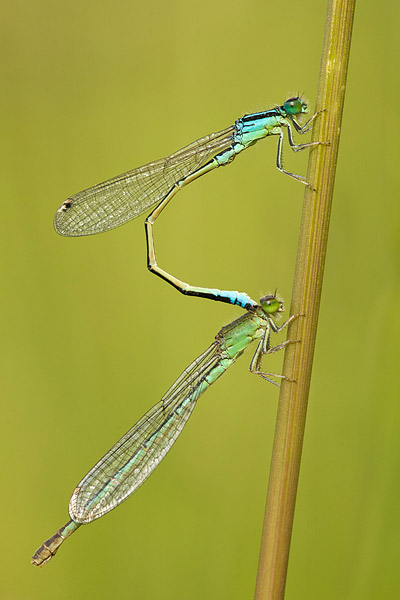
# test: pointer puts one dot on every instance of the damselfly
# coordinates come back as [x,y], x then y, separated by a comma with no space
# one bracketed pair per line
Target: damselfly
[122,198]
[124,468]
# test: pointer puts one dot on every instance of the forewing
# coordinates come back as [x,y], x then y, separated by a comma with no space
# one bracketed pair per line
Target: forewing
[122,198]
[135,456]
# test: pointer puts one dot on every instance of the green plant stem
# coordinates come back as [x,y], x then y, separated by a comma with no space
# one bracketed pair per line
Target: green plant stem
[289,432]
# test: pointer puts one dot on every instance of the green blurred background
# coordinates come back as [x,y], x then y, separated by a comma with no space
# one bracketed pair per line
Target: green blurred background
[90,340]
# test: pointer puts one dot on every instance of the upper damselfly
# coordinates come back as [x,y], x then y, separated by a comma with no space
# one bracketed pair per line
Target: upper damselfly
[122,198]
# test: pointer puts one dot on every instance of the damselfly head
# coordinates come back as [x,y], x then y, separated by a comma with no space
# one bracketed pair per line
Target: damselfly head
[271,304]
[295,106]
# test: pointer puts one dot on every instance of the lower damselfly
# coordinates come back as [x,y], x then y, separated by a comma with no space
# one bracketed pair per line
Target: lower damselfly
[125,467]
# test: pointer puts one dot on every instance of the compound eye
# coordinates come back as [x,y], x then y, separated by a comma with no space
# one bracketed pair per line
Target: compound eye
[295,106]
[270,304]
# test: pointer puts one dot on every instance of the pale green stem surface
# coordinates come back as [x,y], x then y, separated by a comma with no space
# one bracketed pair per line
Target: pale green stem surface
[289,432]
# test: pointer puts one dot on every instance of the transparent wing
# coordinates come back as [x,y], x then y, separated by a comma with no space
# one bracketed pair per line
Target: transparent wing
[135,456]
[122,198]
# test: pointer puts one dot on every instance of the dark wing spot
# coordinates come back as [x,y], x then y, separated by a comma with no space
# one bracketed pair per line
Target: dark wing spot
[67,204]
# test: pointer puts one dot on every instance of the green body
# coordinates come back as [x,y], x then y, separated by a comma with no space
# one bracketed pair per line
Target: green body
[126,466]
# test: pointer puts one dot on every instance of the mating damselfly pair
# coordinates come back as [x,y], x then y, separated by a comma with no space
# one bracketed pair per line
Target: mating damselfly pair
[110,204]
